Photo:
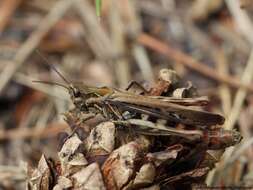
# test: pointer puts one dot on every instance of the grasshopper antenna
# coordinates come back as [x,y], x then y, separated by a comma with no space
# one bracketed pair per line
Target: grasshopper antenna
[51,83]
[51,66]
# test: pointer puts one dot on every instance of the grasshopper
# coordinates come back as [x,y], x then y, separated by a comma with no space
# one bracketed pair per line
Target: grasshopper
[114,103]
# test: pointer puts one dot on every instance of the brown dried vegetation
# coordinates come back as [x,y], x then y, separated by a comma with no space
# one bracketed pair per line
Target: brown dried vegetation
[164,135]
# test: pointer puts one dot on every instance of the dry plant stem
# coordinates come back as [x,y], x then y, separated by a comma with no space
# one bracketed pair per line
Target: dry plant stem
[27,81]
[16,173]
[225,95]
[239,151]
[218,55]
[240,96]
[230,36]
[151,8]
[235,112]
[224,91]
[118,40]
[22,133]
[188,61]
[133,26]
[201,9]
[133,21]
[246,27]
[7,8]
[95,35]
[143,61]
[245,128]
[44,115]
[33,41]
[246,4]
[242,19]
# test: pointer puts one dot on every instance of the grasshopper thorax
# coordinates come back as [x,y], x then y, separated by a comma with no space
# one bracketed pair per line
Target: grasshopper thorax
[80,93]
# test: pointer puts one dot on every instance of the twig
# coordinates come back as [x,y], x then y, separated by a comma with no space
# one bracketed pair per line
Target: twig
[240,150]
[143,62]
[7,8]
[240,96]
[118,40]
[189,62]
[133,27]
[27,81]
[244,24]
[21,133]
[16,173]
[95,35]
[233,38]
[224,91]
[33,41]
[241,18]
[245,129]
[236,109]
[219,58]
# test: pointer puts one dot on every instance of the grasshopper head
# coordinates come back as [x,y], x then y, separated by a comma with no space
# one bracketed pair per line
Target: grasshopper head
[78,97]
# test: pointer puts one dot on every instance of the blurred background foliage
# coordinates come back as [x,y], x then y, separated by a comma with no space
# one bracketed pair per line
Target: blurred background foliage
[208,42]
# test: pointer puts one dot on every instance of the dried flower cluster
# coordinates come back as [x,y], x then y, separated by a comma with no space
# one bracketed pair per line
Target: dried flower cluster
[142,151]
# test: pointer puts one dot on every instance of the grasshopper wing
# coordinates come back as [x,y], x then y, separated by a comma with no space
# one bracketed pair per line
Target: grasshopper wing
[165,110]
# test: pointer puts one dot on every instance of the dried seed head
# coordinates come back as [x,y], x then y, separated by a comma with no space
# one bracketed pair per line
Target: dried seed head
[63,183]
[70,156]
[101,139]
[120,167]
[146,175]
[89,178]
[41,177]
